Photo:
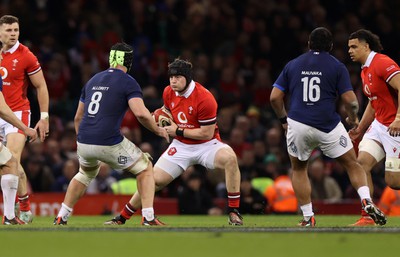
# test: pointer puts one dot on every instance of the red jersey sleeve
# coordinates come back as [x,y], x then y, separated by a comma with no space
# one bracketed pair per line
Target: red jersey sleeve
[32,63]
[387,68]
[207,110]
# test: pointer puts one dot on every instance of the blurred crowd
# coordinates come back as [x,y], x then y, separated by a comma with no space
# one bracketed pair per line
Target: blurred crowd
[238,49]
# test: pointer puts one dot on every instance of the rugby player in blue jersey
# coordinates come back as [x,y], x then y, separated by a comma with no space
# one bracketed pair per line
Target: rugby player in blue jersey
[312,83]
[103,103]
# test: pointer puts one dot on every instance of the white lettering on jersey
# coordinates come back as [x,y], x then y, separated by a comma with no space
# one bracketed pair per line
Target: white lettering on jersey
[313,73]
[100,88]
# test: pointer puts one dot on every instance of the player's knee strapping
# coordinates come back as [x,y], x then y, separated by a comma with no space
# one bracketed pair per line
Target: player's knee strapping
[85,177]
[141,164]
[373,148]
[392,164]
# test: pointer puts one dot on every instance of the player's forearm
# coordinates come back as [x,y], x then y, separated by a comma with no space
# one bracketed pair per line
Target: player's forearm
[352,110]
[367,118]
[7,115]
[277,103]
[43,98]
[148,122]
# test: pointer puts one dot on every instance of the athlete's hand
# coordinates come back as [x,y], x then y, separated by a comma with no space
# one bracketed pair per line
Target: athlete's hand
[162,132]
[43,127]
[394,128]
[353,122]
[354,133]
[31,133]
[171,129]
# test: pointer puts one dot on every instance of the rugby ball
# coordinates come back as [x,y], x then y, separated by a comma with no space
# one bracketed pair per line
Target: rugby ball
[162,117]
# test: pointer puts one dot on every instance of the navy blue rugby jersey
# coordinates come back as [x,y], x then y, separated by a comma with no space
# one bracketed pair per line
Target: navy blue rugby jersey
[313,81]
[106,97]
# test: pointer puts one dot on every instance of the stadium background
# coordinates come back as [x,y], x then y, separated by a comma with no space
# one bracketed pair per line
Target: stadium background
[237,47]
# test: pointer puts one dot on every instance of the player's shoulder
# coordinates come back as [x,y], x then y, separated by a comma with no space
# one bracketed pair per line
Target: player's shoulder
[23,49]
[382,58]
[201,89]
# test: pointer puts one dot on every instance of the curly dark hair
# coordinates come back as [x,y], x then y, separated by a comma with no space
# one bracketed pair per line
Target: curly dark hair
[370,38]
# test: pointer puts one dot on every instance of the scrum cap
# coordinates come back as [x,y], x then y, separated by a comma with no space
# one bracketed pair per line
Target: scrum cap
[121,54]
[181,67]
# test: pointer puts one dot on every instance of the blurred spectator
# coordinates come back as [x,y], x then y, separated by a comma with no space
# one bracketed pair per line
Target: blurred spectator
[238,143]
[256,128]
[323,186]
[69,170]
[194,198]
[39,175]
[126,185]
[280,195]
[102,182]
[53,156]
[251,200]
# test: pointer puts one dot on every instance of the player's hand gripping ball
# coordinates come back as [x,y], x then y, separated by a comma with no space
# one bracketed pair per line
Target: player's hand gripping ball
[162,117]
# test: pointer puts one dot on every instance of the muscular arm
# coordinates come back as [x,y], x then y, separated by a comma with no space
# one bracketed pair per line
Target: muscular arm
[366,120]
[350,102]
[394,127]
[143,115]
[278,104]
[39,83]
[79,116]
[9,116]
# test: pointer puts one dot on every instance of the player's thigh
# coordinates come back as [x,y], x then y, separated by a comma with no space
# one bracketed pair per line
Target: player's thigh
[163,178]
[300,140]
[298,165]
[219,157]
[177,158]
[335,143]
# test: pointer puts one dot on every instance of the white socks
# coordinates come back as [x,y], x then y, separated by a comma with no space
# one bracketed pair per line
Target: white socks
[307,211]
[148,213]
[64,212]
[9,185]
[363,192]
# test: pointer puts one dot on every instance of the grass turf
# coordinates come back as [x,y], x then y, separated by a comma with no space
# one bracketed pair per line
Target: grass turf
[193,236]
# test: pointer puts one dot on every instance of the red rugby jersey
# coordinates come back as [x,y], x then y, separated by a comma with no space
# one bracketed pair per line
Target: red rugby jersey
[17,65]
[376,74]
[196,108]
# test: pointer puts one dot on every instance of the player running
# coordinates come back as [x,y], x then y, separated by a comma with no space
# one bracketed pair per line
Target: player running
[103,104]
[380,124]
[313,81]
[196,141]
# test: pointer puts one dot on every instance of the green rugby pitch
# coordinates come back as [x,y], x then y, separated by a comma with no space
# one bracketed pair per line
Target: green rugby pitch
[205,236]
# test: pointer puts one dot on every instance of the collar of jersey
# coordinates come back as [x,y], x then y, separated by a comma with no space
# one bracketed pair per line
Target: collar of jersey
[369,59]
[188,91]
[12,49]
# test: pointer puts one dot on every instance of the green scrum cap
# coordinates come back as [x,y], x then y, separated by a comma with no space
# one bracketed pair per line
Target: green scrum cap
[121,54]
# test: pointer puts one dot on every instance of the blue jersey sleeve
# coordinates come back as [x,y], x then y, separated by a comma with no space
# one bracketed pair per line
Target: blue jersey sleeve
[344,82]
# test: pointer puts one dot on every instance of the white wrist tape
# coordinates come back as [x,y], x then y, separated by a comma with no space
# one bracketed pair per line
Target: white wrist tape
[44,115]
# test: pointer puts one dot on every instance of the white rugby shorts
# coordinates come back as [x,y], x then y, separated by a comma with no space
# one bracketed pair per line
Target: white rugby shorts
[179,156]
[378,132]
[302,139]
[119,157]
